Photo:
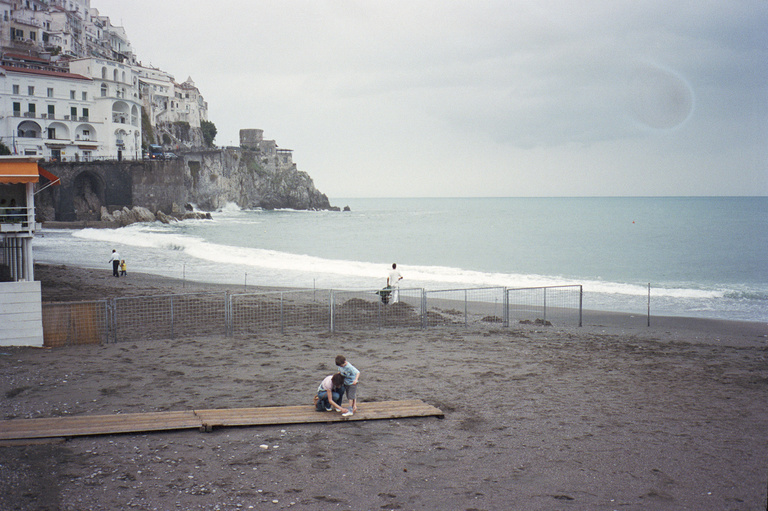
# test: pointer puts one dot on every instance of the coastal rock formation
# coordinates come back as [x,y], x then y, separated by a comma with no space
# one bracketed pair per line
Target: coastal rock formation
[255,175]
[249,178]
[125,216]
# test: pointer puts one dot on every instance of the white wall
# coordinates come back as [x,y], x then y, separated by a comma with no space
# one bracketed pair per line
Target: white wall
[21,314]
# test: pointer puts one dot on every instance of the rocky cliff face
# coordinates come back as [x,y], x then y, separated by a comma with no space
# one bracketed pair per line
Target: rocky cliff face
[208,179]
[249,179]
[255,175]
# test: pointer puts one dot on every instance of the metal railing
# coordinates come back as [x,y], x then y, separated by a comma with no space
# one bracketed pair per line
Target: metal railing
[207,314]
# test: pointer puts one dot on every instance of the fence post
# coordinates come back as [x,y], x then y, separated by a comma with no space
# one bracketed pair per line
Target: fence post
[379,305]
[227,314]
[545,305]
[106,320]
[331,307]
[465,308]
[649,304]
[506,308]
[282,315]
[423,309]
[114,319]
[581,301]
[172,336]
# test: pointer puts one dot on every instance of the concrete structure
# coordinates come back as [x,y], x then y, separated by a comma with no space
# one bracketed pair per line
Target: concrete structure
[21,322]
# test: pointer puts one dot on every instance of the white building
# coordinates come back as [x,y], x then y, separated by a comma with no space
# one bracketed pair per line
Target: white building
[116,104]
[91,112]
[48,114]
[166,101]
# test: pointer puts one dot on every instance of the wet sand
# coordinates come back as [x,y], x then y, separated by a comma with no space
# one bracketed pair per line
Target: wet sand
[613,415]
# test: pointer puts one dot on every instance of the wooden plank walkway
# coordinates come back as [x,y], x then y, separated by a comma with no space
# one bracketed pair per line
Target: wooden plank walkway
[205,420]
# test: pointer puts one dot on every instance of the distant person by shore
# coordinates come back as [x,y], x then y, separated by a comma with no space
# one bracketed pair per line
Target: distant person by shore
[393,281]
[115,260]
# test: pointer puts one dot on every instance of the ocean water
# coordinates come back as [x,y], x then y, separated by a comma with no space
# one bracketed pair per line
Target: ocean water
[701,256]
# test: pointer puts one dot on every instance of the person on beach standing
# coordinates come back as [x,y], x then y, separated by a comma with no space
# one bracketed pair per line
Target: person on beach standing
[330,394]
[393,281]
[123,268]
[351,375]
[115,260]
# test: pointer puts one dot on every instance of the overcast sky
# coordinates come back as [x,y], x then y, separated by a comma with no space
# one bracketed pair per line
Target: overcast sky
[381,98]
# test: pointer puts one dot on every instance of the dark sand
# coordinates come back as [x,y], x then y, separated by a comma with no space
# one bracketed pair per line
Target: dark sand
[608,416]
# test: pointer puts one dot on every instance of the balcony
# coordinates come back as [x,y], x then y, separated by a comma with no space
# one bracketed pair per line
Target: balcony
[29,114]
[16,220]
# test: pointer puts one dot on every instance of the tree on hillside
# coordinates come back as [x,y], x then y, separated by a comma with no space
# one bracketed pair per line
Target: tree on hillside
[209,132]
[4,150]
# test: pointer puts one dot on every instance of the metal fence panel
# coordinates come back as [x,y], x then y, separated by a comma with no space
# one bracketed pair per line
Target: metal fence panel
[168,316]
[254,312]
[555,304]
[72,323]
[352,310]
[465,307]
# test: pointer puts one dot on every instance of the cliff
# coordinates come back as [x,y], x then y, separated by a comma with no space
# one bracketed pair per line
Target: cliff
[259,176]
[249,179]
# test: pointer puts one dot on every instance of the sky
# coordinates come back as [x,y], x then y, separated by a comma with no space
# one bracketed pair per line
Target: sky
[507,98]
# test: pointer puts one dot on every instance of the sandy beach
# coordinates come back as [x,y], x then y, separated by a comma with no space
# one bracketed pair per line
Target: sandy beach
[606,416]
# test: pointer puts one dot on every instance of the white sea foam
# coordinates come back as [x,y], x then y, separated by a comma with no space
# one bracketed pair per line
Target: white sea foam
[157,237]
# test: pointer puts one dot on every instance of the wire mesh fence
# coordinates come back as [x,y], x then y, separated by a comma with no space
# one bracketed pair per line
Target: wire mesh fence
[195,314]
[553,304]
[250,313]
[168,316]
[465,306]
[401,308]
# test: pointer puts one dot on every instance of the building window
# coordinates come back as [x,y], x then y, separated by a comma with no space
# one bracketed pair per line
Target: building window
[85,96]
[32,109]
[31,90]
[103,90]
[50,92]
[16,89]
[51,111]
[85,114]
[71,94]
[73,112]
[17,109]
[51,133]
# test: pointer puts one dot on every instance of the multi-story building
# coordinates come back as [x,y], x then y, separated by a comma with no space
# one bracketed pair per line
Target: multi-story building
[116,104]
[71,88]
[166,101]
[47,114]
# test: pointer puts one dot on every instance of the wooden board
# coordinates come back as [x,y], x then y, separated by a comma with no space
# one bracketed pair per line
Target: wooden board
[205,420]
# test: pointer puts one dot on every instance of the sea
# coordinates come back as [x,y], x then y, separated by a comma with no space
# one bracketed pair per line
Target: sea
[704,257]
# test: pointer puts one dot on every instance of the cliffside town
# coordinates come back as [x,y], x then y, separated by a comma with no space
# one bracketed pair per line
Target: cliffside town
[73,93]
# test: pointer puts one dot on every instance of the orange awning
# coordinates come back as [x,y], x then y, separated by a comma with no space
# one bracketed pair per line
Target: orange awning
[12,172]
[18,172]
[50,177]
